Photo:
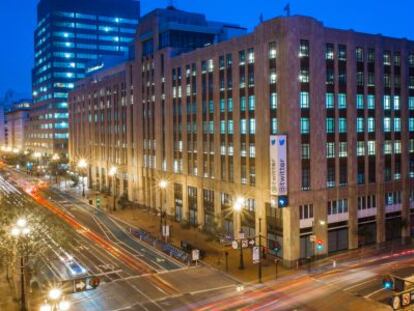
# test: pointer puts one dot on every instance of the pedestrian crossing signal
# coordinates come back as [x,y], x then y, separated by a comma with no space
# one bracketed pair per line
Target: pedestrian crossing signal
[319,245]
[388,283]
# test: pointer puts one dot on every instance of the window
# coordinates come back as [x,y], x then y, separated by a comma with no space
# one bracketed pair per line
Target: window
[243,103]
[305,211]
[329,53]
[273,101]
[359,54]
[387,124]
[360,101]
[371,147]
[304,100]
[411,60]
[387,147]
[411,124]
[411,103]
[250,56]
[304,76]
[371,101]
[304,48]
[329,100]
[223,127]
[371,55]
[252,126]
[222,105]
[342,125]
[396,102]
[274,126]
[371,125]
[342,52]
[304,125]
[387,58]
[397,124]
[341,101]
[243,126]
[272,50]
[397,147]
[230,104]
[360,125]
[330,150]
[330,180]
[242,58]
[305,151]
[229,127]
[305,178]
[252,103]
[387,102]
[330,125]
[360,148]
[273,76]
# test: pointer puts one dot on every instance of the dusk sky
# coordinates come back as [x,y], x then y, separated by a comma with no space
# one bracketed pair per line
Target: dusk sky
[392,18]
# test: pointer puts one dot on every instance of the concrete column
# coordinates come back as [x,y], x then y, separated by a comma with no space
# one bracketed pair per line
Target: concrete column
[185,210]
[200,207]
[291,238]
[217,209]
[353,220]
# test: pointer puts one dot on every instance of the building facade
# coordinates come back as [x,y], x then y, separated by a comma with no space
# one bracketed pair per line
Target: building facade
[16,123]
[68,36]
[204,120]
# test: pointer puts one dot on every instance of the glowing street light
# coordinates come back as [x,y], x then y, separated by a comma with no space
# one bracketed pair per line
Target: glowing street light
[238,207]
[57,302]
[163,184]
[55,294]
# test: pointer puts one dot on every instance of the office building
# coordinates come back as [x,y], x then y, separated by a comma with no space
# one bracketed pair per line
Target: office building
[68,36]
[16,123]
[216,121]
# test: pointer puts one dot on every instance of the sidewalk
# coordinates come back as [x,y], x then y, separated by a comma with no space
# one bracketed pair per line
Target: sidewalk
[8,300]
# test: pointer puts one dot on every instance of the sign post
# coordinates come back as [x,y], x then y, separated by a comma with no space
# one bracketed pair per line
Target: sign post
[195,254]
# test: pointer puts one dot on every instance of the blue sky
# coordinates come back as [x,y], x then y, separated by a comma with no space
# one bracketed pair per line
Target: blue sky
[392,18]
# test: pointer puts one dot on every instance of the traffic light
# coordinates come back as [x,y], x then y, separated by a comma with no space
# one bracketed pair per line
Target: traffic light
[387,282]
[94,282]
[282,201]
[319,245]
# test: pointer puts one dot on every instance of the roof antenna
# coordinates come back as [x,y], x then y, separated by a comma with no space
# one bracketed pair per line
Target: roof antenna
[287,9]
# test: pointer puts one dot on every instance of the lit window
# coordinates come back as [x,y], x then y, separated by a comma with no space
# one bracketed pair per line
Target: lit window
[252,103]
[371,125]
[411,103]
[304,48]
[396,102]
[329,100]
[397,147]
[411,124]
[304,76]
[330,150]
[387,124]
[330,125]
[250,56]
[305,151]
[243,126]
[304,125]
[371,101]
[273,101]
[274,126]
[360,148]
[360,125]
[342,125]
[387,147]
[371,147]
[387,102]
[304,100]
[341,101]
[272,50]
[360,101]
[252,126]
[397,124]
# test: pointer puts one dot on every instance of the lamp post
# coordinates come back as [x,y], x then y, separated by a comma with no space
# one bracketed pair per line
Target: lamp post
[82,165]
[112,173]
[56,301]
[20,231]
[320,223]
[237,208]
[163,185]
[37,156]
[55,159]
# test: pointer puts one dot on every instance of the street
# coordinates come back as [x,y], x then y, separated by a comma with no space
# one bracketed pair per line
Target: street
[151,280]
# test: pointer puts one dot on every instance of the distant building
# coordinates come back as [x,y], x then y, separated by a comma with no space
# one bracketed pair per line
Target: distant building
[16,123]
[69,35]
[207,114]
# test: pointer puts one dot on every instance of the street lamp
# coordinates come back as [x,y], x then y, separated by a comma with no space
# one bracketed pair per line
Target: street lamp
[56,158]
[57,302]
[82,164]
[238,208]
[112,173]
[163,185]
[18,231]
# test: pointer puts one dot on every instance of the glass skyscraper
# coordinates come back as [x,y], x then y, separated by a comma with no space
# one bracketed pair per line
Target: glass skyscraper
[70,35]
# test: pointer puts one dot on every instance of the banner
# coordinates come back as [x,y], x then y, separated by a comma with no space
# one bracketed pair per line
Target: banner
[278,165]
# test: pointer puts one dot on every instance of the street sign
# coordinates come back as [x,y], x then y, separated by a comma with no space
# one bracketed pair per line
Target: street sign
[252,242]
[245,243]
[256,254]
[312,238]
[80,285]
[234,245]
[405,301]
[396,303]
[195,254]
[88,283]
